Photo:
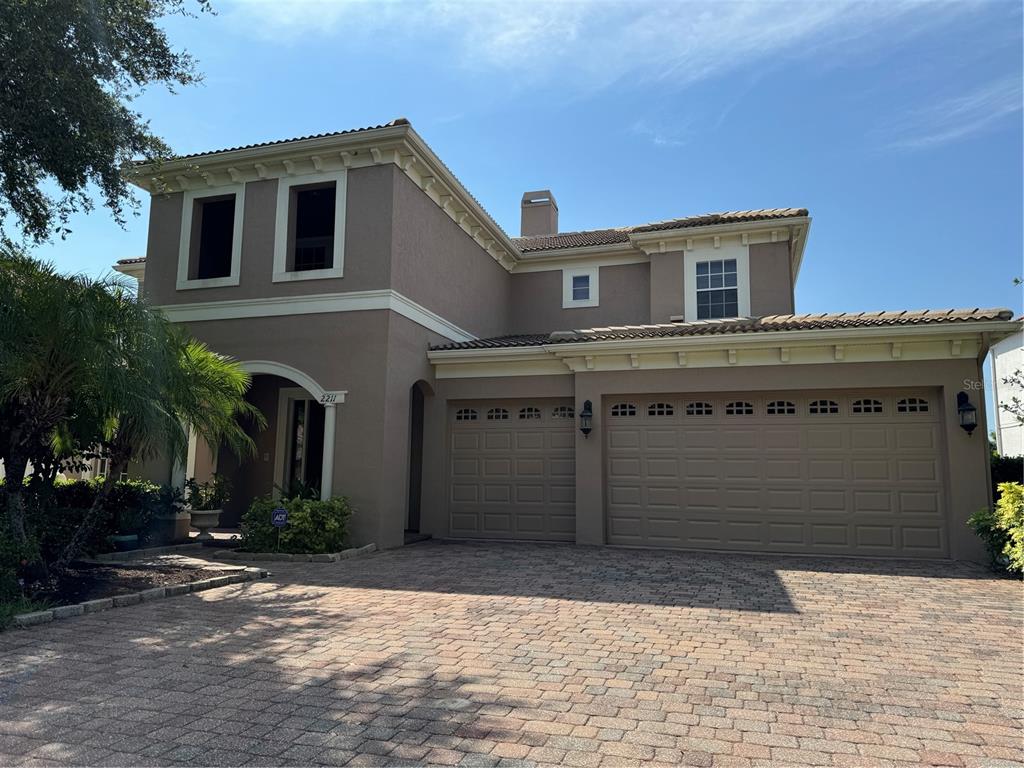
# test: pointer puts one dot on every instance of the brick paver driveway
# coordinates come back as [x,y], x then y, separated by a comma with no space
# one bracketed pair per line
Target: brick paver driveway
[493,654]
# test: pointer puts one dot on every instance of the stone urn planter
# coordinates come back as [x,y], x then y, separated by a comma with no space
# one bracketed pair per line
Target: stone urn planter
[122,542]
[204,520]
[206,502]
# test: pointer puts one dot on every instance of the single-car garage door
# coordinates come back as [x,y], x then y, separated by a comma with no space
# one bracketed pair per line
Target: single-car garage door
[512,470]
[853,473]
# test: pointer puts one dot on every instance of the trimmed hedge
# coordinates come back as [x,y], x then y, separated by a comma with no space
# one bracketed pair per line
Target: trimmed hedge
[1002,528]
[314,527]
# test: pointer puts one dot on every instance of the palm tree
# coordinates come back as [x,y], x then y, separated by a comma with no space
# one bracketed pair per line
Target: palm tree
[87,359]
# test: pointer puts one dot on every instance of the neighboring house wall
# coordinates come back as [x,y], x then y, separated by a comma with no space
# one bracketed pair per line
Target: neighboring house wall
[624,299]
[1007,359]
[437,265]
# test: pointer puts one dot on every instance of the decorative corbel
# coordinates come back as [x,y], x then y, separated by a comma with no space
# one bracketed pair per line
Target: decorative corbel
[346,158]
[838,352]
[634,360]
[235,175]
[784,354]
[590,362]
[182,182]
[289,167]
[732,356]
[718,241]
[209,178]
[896,350]
[689,243]
[318,162]
[775,235]
[955,347]
[261,170]
[375,154]
[681,359]
[745,238]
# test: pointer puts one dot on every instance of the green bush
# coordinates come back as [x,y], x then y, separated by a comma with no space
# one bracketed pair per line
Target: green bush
[1002,528]
[314,526]
[1006,469]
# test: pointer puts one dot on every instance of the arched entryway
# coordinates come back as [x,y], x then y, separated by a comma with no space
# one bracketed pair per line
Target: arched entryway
[418,393]
[297,448]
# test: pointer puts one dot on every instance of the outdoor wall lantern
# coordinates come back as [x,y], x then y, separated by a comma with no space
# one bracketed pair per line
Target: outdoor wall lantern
[586,418]
[967,412]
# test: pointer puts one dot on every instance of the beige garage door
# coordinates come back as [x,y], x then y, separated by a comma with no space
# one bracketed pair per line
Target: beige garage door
[512,470]
[856,473]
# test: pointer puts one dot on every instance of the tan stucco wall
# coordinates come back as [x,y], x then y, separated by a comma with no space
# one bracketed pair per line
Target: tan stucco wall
[436,264]
[666,286]
[537,300]
[368,226]
[771,283]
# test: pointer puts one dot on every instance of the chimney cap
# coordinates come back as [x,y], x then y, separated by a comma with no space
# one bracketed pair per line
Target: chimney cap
[540,196]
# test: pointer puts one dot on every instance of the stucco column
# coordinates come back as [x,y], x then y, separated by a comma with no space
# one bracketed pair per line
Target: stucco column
[589,466]
[327,467]
[969,485]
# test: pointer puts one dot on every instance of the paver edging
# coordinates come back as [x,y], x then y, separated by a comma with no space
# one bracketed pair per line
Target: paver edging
[23,620]
[287,557]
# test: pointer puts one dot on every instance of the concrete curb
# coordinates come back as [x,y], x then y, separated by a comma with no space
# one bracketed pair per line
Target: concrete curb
[133,598]
[284,557]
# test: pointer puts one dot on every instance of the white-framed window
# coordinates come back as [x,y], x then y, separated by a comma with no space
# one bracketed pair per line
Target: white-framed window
[210,244]
[579,287]
[309,226]
[716,283]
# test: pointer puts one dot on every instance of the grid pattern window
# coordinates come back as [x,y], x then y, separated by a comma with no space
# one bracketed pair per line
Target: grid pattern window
[529,413]
[562,412]
[912,405]
[820,407]
[867,405]
[580,287]
[717,294]
[739,408]
[699,409]
[660,409]
[466,414]
[497,414]
[781,408]
[624,409]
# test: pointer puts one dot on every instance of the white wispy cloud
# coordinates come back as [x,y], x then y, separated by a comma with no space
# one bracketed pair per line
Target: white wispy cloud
[675,135]
[957,117]
[594,43]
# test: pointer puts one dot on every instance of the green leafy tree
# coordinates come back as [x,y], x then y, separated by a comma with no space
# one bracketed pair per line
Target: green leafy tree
[70,70]
[85,361]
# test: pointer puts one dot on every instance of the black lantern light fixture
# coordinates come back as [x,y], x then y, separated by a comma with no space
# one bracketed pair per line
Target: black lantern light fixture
[586,418]
[968,413]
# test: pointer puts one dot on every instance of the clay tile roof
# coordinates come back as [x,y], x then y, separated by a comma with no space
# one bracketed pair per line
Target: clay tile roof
[393,123]
[621,234]
[139,260]
[742,325]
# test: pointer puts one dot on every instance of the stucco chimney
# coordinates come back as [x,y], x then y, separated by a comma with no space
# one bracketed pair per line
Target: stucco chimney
[540,214]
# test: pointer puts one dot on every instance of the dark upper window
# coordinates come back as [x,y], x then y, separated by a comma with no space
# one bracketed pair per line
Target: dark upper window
[312,244]
[580,287]
[717,295]
[213,230]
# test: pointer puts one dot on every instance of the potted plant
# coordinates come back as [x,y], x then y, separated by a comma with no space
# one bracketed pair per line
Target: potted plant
[205,502]
[172,519]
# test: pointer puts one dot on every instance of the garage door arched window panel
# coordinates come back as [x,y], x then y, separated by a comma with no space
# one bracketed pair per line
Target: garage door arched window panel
[867,405]
[466,414]
[497,414]
[529,412]
[822,407]
[699,409]
[739,408]
[912,405]
[624,409]
[562,412]
[660,409]
[781,408]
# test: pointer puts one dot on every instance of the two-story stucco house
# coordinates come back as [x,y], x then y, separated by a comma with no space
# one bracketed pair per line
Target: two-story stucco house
[646,385]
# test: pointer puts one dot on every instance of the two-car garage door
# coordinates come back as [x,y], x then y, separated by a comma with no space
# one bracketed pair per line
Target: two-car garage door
[855,474]
[845,473]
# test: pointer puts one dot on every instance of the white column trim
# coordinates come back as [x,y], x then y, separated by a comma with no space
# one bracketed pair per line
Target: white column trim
[327,468]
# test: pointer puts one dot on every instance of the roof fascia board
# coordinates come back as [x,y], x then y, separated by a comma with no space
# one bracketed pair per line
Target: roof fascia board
[675,239]
[749,340]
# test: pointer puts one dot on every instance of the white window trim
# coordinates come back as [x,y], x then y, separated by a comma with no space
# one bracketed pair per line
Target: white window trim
[690,260]
[595,293]
[284,185]
[185,242]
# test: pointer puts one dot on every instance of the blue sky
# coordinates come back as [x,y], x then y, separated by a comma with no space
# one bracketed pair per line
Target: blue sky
[897,124]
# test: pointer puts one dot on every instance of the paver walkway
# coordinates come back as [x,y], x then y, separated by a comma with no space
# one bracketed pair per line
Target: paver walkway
[515,654]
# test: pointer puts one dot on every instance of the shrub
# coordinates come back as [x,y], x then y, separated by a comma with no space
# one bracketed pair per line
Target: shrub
[1002,528]
[1006,469]
[314,526]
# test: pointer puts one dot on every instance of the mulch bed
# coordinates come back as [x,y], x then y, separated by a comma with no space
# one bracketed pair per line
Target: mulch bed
[92,581]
